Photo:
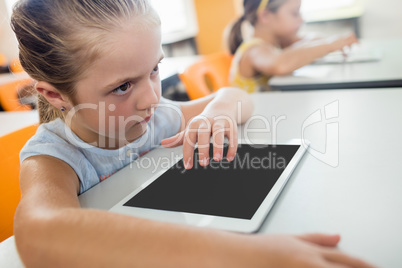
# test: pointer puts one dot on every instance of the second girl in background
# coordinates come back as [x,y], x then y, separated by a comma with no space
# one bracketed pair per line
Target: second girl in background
[275,47]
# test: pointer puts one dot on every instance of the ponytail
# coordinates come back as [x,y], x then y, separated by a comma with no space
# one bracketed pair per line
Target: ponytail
[251,8]
[235,35]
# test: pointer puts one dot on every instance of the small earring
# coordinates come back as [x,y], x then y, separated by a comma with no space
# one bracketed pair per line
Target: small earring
[63,108]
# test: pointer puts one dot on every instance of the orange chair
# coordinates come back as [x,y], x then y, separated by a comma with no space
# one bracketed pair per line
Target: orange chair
[3,64]
[207,75]
[10,195]
[15,66]
[9,98]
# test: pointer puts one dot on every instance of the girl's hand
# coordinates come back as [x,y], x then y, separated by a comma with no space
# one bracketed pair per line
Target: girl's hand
[199,130]
[309,250]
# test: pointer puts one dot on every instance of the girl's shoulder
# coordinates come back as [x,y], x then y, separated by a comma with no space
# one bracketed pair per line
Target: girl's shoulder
[55,139]
[54,131]
[258,46]
[251,43]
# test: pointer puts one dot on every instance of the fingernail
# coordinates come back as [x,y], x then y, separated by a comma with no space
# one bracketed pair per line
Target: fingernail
[187,164]
[217,157]
[230,158]
[204,161]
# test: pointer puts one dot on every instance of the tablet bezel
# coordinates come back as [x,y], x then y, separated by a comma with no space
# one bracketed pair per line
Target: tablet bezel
[217,222]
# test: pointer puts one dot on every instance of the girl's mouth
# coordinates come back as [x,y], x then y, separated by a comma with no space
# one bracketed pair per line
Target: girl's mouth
[145,121]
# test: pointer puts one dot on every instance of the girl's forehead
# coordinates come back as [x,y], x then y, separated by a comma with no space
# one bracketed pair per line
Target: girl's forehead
[134,42]
[138,27]
[94,44]
[292,3]
[127,53]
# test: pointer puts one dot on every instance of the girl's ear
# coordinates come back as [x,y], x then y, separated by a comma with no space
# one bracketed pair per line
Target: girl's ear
[53,96]
[264,16]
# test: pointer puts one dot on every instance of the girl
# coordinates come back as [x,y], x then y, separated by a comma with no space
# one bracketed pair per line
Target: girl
[275,48]
[96,67]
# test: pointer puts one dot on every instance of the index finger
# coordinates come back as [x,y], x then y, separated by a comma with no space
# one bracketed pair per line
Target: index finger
[233,144]
[190,139]
[341,258]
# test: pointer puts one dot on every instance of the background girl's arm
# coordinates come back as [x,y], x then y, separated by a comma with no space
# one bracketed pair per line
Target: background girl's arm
[286,42]
[216,115]
[300,40]
[266,60]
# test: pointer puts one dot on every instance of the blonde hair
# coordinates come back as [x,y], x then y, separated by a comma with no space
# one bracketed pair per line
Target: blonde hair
[59,39]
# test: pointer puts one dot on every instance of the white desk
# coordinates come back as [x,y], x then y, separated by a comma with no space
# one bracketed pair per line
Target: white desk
[5,78]
[384,73]
[11,121]
[359,198]
[173,65]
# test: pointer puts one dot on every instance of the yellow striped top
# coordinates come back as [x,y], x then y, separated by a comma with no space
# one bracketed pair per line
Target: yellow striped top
[250,84]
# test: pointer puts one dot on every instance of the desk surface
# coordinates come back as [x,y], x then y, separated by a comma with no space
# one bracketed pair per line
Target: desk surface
[173,65]
[384,73]
[11,121]
[349,183]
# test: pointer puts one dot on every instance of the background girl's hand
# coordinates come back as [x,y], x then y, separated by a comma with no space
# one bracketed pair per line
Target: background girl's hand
[346,41]
[199,130]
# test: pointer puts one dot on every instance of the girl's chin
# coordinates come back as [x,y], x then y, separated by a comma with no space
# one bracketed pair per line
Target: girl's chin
[136,132]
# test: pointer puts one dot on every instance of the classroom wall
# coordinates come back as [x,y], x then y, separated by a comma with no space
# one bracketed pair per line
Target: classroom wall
[382,19]
[213,16]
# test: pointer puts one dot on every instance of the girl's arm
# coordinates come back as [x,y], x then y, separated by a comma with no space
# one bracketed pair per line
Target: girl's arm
[266,60]
[216,115]
[51,230]
[286,42]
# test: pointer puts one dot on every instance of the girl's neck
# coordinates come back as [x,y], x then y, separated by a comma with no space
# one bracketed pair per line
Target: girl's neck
[262,32]
[97,140]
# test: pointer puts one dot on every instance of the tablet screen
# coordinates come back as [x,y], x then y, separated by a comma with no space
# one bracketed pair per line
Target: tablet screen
[227,189]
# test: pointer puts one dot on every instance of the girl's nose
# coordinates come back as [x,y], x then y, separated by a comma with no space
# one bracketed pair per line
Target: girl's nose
[149,96]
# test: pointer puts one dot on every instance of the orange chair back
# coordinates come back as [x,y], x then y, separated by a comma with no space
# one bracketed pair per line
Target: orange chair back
[207,75]
[10,195]
[9,99]
[15,66]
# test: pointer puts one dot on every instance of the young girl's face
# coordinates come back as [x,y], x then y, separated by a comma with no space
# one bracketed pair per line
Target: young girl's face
[287,20]
[118,95]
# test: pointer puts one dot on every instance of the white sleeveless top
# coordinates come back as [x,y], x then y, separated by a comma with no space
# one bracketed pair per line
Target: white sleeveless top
[93,164]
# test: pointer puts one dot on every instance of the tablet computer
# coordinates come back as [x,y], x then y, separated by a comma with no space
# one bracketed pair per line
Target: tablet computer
[354,56]
[234,196]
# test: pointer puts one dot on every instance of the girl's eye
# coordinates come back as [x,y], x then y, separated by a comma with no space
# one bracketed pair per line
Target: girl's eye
[155,70]
[122,89]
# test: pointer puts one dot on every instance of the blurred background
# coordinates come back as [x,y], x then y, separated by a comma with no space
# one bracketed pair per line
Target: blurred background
[197,26]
